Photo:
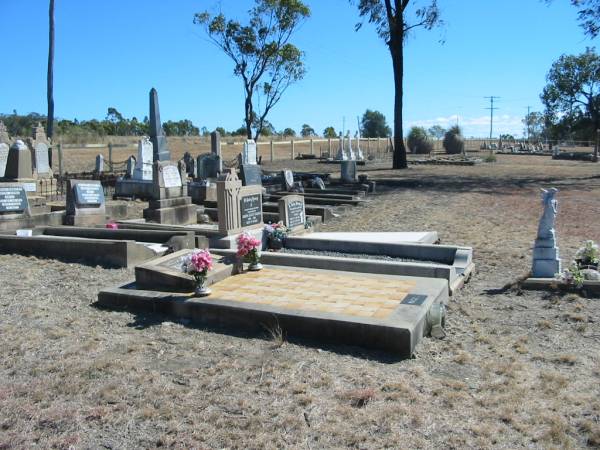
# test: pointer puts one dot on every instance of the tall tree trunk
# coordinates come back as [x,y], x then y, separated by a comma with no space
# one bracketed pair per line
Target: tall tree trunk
[50,91]
[397,50]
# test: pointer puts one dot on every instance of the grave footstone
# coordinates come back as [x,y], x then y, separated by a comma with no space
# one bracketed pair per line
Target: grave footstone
[157,134]
[3,158]
[85,203]
[348,171]
[292,211]
[99,164]
[251,174]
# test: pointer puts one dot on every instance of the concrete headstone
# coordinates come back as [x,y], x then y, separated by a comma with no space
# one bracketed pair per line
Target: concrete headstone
[348,171]
[143,166]
[99,164]
[19,164]
[251,174]
[292,211]
[85,203]
[4,138]
[42,163]
[3,158]
[249,152]
[239,206]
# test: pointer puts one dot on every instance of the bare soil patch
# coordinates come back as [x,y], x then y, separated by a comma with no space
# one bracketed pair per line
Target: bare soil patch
[517,369]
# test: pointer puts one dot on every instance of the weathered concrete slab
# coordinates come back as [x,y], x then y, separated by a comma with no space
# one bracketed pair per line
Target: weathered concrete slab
[381,312]
[425,237]
[590,288]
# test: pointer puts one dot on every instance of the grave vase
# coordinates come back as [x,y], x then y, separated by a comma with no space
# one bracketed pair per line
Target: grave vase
[275,243]
[201,289]
[253,259]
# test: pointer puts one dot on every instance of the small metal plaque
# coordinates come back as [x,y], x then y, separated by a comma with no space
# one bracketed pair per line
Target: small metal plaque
[414,299]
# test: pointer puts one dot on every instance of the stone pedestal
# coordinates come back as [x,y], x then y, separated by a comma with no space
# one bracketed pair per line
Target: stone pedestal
[170,203]
[546,259]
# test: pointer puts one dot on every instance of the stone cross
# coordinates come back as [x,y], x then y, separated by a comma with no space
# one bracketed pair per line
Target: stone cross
[157,134]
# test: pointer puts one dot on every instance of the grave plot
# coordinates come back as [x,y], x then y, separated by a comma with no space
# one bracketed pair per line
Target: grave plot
[334,306]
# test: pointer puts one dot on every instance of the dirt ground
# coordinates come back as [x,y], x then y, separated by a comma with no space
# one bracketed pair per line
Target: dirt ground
[516,370]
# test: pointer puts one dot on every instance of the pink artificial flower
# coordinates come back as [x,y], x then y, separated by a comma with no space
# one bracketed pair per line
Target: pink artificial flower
[112,226]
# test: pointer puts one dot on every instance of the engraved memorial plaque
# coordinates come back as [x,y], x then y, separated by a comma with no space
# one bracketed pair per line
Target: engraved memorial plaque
[89,194]
[251,210]
[13,199]
[171,176]
[295,213]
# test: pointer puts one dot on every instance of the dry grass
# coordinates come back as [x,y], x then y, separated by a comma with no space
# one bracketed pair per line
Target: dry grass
[517,369]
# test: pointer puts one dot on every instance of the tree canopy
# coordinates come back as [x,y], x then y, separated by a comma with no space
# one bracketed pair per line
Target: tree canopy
[329,133]
[263,56]
[572,92]
[307,131]
[373,124]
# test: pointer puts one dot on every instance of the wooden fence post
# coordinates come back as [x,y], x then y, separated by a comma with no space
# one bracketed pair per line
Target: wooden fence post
[272,151]
[329,147]
[293,150]
[312,147]
[110,158]
[60,159]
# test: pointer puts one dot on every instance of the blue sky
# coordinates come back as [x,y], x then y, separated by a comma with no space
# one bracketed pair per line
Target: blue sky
[110,53]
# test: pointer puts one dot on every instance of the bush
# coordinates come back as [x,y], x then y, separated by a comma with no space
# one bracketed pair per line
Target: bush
[453,141]
[419,142]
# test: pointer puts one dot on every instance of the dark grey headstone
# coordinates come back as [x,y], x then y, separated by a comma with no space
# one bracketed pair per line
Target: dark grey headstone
[13,199]
[251,174]
[215,143]
[3,158]
[157,134]
[348,171]
[296,213]
[89,194]
[251,210]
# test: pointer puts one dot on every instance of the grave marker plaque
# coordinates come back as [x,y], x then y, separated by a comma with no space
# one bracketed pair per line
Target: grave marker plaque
[251,210]
[171,176]
[13,199]
[295,213]
[88,194]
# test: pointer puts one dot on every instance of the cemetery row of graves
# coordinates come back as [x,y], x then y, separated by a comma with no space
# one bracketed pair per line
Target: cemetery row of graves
[231,243]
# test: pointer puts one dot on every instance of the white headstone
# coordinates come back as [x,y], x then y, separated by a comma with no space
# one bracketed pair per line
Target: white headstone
[171,176]
[249,152]
[3,158]
[288,176]
[41,158]
[144,160]
[99,164]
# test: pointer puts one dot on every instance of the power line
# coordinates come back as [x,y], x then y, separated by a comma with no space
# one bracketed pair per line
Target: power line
[492,108]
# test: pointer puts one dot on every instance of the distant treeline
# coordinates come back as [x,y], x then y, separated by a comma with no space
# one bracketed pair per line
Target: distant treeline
[113,125]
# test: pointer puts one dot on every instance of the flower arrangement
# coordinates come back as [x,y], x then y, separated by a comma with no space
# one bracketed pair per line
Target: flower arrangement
[248,249]
[588,255]
[276,234]
[571,276]
[197,264]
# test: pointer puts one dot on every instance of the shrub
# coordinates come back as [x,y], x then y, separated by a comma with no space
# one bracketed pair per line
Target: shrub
[419,142]
[453,141]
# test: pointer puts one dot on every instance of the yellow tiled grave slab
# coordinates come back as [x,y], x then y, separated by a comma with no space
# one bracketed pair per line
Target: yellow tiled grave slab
[305,290]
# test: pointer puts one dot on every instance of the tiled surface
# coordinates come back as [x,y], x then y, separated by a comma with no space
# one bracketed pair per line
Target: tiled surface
[305,290]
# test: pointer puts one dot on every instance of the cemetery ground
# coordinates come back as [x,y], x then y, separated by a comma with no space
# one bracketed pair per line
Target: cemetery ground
[516,369]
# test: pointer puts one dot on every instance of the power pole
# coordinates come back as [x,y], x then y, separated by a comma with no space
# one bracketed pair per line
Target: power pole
[528,121]
[492,108]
